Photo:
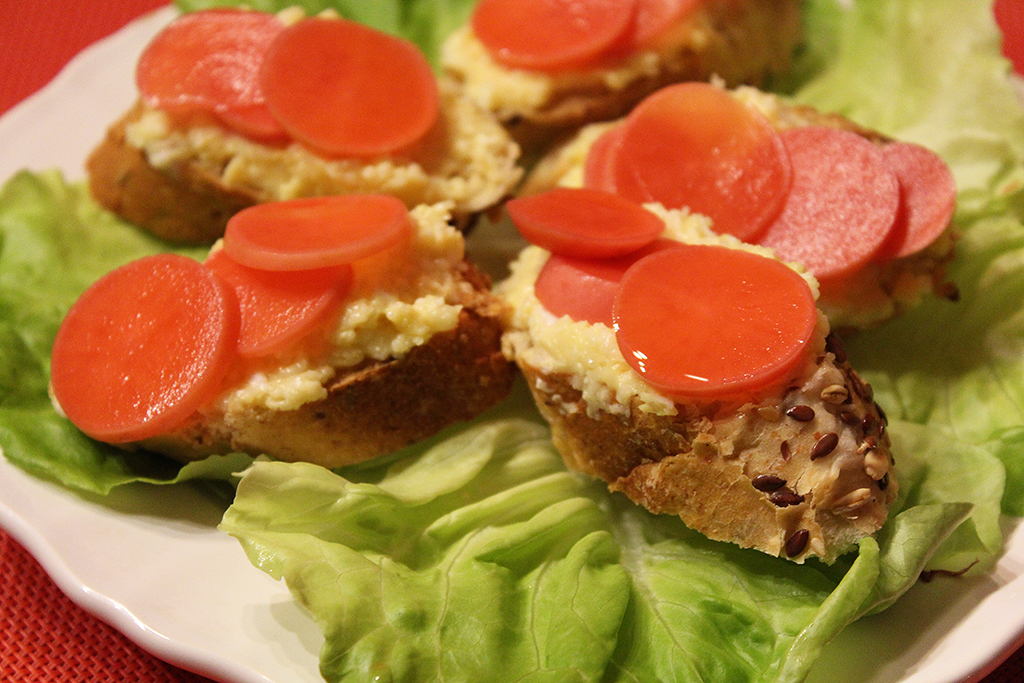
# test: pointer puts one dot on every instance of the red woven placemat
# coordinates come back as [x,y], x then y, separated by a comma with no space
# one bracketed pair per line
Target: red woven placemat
[38,38]
[46,638]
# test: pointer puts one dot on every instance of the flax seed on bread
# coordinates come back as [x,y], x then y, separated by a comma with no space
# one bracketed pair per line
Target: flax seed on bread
[780,476]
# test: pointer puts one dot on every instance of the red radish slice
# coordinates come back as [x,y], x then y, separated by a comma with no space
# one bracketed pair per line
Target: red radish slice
[344,89]
[1009,16]
[209,61]
[583,222]
[143,348]
[842,205]
[928,196]
[316,232]
[551,35]
[279,308]
[599,166]
[694,145]
[581,289]
[254,122]
[584,289]
[655,17]
[707,322]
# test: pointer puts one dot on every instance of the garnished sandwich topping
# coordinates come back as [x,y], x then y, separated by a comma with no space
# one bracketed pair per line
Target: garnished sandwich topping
[697,322]
[153,341]
[546,67]
[328,83]
[560,35]
[825,197]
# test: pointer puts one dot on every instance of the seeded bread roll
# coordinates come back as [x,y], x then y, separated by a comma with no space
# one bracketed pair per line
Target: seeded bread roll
[802,475]
[740,41]
[182,180]
[804,471]
[878,292]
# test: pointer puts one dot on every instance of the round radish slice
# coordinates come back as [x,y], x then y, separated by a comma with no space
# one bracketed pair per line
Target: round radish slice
[344,89]
[210,61]
[599,166]
[707,322]
[694,145]
[927,195]
[143,348]
[842,206]
[583,222]
[585,289]
[316,232]
[551,35]
[279,308]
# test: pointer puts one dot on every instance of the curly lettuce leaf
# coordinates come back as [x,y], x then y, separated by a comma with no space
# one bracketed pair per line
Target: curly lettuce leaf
[480,558]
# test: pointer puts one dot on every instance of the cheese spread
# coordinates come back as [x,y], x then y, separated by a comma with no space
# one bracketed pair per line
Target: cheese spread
[588,353]
[470,161]
[399,299]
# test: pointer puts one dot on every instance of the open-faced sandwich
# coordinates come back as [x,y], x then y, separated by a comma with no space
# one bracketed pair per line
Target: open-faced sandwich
[868,216]
[242,107]
[695,374]
[545,68]
[329,330]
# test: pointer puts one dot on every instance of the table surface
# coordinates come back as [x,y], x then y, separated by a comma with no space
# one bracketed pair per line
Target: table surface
[43,635]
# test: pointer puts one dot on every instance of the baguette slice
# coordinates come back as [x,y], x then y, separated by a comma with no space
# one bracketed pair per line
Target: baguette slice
[414,348]
[182,180]
[880,291]
[803,472]
[740,41]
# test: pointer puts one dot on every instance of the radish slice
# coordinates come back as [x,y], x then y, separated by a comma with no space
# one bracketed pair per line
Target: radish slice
[694,145]
[842,206]
[332,83]
[280,308]
[143,348]
[209,61]
[583,222]
[551,35]
[316,232]
[707,322]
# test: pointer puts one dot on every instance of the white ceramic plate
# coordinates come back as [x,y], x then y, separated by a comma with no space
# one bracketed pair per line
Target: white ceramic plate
[150,561]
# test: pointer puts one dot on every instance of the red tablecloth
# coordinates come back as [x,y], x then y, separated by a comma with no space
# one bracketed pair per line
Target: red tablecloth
[44,637]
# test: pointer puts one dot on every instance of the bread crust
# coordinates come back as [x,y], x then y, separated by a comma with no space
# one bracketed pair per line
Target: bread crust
[749,475]
[186,204]
[374,408]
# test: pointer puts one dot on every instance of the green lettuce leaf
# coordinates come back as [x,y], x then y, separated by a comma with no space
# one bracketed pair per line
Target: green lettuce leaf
[479,558]
[475,555]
